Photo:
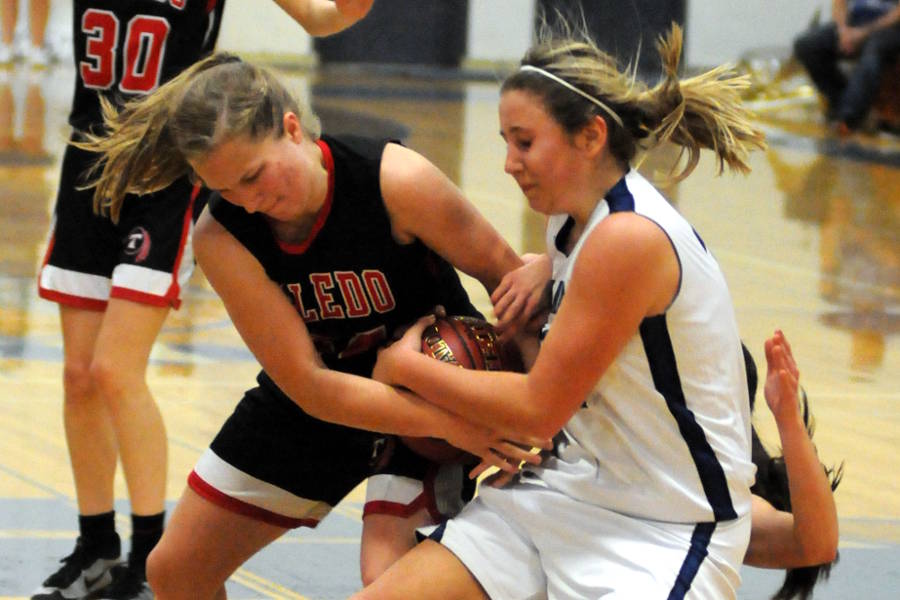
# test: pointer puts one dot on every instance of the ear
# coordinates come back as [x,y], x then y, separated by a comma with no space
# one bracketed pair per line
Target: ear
[592,137]
[292,127]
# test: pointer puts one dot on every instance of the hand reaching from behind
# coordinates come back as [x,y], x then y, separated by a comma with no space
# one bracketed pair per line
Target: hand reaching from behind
[521,299]
[782,375]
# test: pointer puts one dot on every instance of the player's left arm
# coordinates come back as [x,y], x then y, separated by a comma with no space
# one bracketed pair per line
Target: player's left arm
[626,270]
[809,536]
[423,203]
[325,17]
[812,537]
[772,542]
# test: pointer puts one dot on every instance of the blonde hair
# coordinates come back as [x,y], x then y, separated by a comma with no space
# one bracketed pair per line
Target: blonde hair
[695,113]
[147,143]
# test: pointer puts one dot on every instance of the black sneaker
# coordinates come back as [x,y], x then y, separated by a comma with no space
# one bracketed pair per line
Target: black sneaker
[80,574]
[127,584]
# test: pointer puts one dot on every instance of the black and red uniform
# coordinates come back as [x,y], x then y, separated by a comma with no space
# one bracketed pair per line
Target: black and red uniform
[354,285]
[124,50]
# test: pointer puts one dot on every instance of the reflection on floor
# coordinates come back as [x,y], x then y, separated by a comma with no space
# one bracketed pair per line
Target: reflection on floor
[810,243]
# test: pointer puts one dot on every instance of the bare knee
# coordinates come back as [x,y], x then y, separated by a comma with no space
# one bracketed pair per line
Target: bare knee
[159,571]
[77,383]
[370,569]
[169,575]
[106,380]
[174,574]
[385,539]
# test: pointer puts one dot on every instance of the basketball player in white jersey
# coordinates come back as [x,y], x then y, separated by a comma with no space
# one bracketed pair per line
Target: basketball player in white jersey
[647,491]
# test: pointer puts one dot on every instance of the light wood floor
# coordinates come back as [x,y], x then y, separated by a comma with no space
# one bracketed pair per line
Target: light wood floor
[810,243]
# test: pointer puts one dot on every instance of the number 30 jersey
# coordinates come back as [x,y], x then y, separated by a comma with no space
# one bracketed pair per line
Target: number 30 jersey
[125,48]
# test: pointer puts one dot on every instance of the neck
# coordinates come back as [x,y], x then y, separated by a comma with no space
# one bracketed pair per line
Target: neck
[604,179]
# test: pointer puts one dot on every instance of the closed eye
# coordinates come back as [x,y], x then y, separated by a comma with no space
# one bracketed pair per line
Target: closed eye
[252,177]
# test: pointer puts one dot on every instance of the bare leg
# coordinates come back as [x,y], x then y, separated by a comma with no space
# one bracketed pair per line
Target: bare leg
[385,539]
[428,571]
[118,370]
[201,547]
[9,14]
[89,431]
[38,13]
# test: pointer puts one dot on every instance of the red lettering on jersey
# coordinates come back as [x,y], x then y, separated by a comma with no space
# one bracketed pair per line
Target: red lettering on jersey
[379,291]
[101,28]
[328,307]
[308,316]
[179,4]
[144,48]
[364,341]
[354,297]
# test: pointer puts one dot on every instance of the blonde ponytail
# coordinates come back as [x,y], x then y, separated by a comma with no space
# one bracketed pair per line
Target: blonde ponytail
[695,113]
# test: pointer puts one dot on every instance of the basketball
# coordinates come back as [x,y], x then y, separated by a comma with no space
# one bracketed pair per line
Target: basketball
[470,343]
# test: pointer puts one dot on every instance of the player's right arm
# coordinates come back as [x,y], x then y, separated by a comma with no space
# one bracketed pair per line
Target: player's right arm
[325,17]
[280,341]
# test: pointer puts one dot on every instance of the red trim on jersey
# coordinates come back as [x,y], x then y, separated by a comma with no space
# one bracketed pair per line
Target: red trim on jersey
[323,212]
[173,294]
[225,501]
[70,300]
[211,5]
[424,500]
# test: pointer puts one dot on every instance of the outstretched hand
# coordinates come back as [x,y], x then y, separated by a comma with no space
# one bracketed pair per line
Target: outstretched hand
[782,377]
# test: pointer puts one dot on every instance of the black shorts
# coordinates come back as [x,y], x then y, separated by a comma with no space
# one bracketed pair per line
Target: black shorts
[146,257]
[275,463]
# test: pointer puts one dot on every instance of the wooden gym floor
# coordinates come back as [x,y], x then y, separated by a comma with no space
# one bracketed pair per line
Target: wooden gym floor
[810,243]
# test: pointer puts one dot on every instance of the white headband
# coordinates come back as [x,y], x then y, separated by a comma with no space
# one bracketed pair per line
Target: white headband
[581,93]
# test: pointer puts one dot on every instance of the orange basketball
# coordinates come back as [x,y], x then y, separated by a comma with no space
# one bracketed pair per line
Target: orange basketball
[470,343]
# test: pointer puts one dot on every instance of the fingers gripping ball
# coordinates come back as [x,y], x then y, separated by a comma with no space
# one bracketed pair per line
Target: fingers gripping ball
[469,343]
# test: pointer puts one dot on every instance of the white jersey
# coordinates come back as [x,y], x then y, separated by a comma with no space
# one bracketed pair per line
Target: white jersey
[665,432]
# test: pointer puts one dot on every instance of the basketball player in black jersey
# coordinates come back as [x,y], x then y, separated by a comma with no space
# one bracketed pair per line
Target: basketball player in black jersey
[116,276]
[320,247]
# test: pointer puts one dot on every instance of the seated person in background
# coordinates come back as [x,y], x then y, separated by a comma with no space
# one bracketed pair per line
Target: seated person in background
[865,30]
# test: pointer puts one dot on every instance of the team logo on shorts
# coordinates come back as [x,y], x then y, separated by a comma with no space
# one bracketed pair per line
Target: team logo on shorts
[137,244]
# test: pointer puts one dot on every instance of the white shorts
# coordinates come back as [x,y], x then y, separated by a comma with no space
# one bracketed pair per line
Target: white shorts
[443,492]
[529,542]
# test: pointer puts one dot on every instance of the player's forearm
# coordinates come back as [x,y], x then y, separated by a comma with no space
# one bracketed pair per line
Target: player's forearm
[363,403]
[812,501]
[318,17]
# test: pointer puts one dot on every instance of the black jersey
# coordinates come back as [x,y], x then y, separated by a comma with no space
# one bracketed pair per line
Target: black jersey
[125,48]
[351,282]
